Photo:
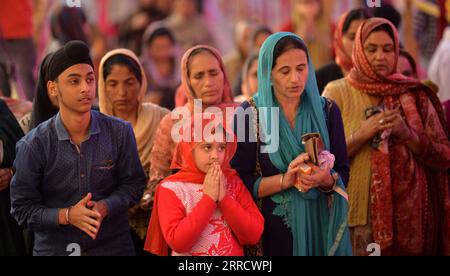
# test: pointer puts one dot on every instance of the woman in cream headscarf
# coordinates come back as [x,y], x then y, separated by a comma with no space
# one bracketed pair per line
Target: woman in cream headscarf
[121,88]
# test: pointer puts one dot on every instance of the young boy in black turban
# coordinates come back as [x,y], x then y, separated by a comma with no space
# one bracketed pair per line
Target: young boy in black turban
[77,173]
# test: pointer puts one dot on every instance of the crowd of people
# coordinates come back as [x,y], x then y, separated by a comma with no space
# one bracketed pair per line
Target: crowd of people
[138,137]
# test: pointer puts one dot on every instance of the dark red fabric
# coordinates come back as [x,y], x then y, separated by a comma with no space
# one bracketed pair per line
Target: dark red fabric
[408,193]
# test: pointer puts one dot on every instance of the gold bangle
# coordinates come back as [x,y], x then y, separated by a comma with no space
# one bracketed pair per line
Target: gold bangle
[281,182]
[67,215]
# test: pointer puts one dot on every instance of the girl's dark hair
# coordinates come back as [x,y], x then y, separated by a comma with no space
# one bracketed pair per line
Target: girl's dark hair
[285,44]
[161,32]
[356,14]
[123,60]
[193,54]
[386,28]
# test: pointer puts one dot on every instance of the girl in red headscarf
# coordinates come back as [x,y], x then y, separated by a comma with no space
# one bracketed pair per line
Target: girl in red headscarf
[204,209]
[203,77]
[399,150]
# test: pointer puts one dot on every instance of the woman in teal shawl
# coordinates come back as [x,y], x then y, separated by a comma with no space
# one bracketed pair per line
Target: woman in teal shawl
[309,219]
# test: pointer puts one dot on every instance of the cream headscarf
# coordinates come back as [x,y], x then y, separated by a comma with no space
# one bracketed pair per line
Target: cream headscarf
[148,117]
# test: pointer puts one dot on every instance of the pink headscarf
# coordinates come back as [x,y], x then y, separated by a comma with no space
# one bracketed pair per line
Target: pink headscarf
[189,95]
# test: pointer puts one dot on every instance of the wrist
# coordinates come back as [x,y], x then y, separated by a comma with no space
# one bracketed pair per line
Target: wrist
[221,199]
[283,184]
[329,185]
[103,209]
[63,216]
[407,138]
[11,172]
[68,215]
[362,135]
[210,197]
[329,181]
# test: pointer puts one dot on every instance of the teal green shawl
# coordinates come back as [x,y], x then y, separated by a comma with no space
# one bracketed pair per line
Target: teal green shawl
[316,229]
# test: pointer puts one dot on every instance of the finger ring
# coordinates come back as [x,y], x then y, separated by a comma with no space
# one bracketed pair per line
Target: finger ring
[381,121]
[146,197]
[300,189]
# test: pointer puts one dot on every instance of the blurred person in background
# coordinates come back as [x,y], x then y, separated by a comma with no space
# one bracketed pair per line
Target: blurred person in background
[11,239]
[406,64]
[17,49]
[132,29]
[439,70]
[259,35]
[188,26]
[309,21]
[67,24]
[70,23]
[426,28]
[160,58]
[344,36]
[234,61]
[389,12]
[249,85]
[257,38]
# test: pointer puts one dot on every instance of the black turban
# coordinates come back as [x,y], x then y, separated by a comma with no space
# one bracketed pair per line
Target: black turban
[74,52]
